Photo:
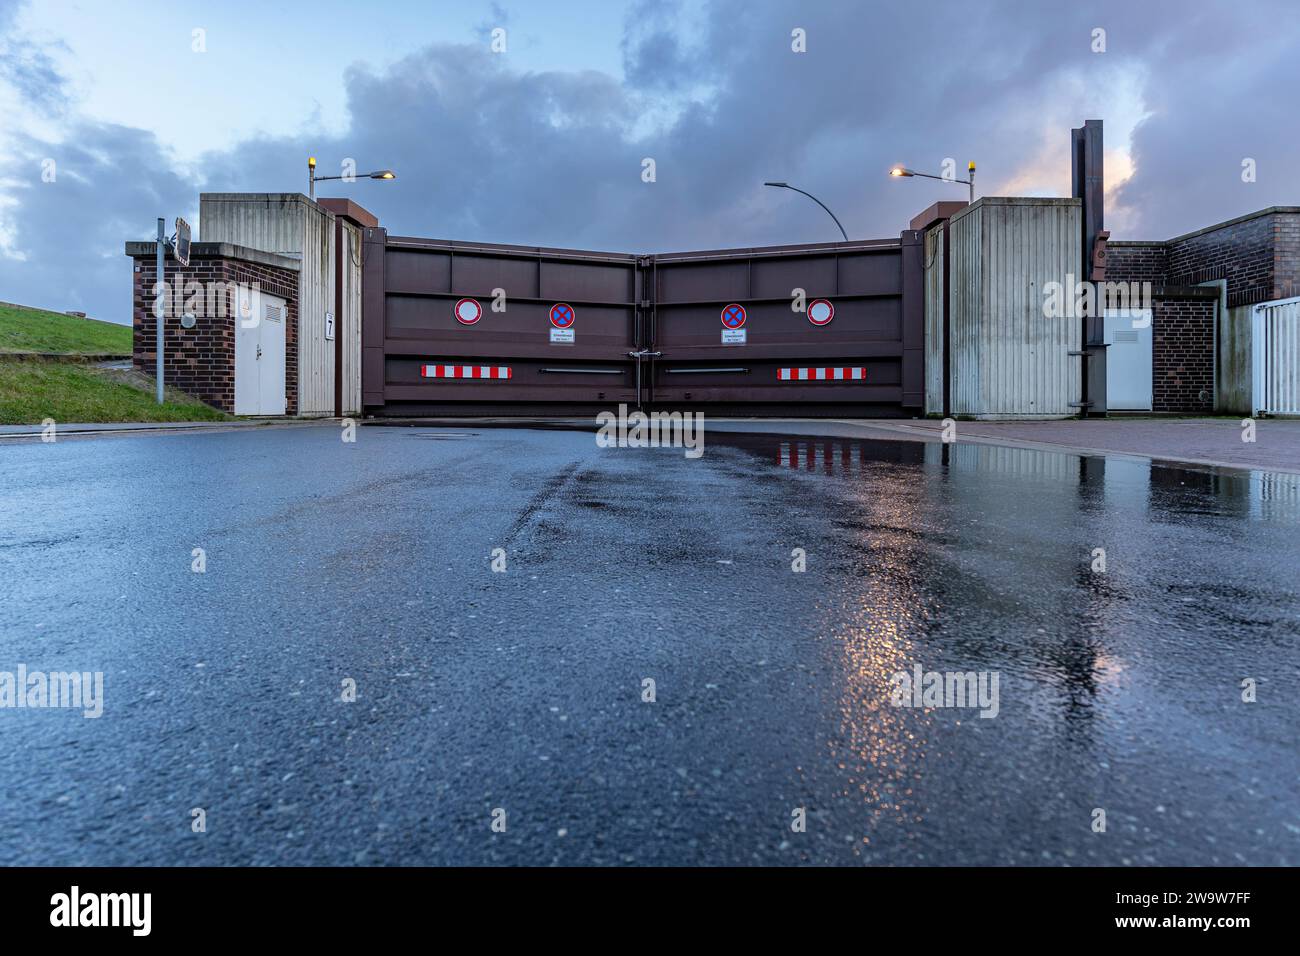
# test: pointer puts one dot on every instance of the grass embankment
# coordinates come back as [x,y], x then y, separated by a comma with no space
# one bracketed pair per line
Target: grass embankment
[32,390]
[34,330]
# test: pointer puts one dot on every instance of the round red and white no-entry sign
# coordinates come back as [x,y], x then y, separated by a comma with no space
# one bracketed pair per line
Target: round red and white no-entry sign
[468,311]
[733,316]
[820,311]
[563,316]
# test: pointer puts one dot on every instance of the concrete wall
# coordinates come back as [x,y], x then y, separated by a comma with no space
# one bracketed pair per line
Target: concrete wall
[1233,362]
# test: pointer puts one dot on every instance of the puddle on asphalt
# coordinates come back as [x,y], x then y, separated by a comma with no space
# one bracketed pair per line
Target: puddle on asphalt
[1190,490]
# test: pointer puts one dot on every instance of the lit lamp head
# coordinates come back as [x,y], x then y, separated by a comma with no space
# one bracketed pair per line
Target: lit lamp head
[383,174]
[901,171]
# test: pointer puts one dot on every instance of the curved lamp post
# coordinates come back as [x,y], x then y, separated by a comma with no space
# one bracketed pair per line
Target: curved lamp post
[814,199]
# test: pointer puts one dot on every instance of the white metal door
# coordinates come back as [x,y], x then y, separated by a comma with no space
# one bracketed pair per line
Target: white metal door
[271,362]
[248,319]
[1127,332]
[259,354]
[1275,357]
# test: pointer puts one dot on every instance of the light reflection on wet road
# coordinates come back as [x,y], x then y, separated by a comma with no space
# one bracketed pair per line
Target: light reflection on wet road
[1117,690]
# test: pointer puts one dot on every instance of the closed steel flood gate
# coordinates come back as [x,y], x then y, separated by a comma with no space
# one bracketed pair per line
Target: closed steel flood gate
[451,328]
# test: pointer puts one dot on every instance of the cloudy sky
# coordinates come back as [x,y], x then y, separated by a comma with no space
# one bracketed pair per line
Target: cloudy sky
[112,114]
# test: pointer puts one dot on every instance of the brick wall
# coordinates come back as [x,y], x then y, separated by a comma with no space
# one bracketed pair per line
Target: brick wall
[1137,262]
[1183,355]
[201,360]
[1259,257]
[1286,255]
[1241,252]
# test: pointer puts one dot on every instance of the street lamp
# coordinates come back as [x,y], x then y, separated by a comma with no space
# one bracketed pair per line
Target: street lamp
[814,199]
[970,168]
[313,179]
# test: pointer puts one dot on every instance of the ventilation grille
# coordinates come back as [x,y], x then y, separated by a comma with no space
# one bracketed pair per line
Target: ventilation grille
[1125,337]
[272,313]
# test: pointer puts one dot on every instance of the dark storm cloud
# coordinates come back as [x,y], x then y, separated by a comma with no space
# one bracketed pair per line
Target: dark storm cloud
[1224,91]
[485,151]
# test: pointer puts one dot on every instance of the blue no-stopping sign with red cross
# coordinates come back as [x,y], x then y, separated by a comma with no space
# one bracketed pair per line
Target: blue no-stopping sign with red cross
[733,316]
[563,316]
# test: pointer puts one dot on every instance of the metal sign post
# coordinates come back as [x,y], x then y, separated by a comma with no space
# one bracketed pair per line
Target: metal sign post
[160,307]
[181,249]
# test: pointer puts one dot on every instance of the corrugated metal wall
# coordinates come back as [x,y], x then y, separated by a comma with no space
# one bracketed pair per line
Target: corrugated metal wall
[934,321]
[288,224]
[1008,359]
[1275,353]
[966,308]
[315,352]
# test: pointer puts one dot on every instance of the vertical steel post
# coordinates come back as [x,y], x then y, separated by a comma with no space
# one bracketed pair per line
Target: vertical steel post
[160,308]
[1089,187]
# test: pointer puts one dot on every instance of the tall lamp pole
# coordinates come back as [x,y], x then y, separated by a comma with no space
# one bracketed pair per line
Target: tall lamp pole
[313,179]
[814,199]
[970,170]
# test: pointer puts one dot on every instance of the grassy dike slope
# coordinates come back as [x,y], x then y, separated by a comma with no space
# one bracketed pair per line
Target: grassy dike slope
[32,390]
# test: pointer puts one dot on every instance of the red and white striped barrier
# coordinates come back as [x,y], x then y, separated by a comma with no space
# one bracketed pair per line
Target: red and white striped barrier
[465,371]
[821,374]
[846,459]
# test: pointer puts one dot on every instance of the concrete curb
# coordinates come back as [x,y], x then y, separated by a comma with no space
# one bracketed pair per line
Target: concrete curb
[91,430]
[79,358]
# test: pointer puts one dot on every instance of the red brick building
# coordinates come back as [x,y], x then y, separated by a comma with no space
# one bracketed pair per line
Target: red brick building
[1205,285]
[217,285]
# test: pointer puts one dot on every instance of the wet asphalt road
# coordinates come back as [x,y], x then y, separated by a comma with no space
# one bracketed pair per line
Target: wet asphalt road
[523,690]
